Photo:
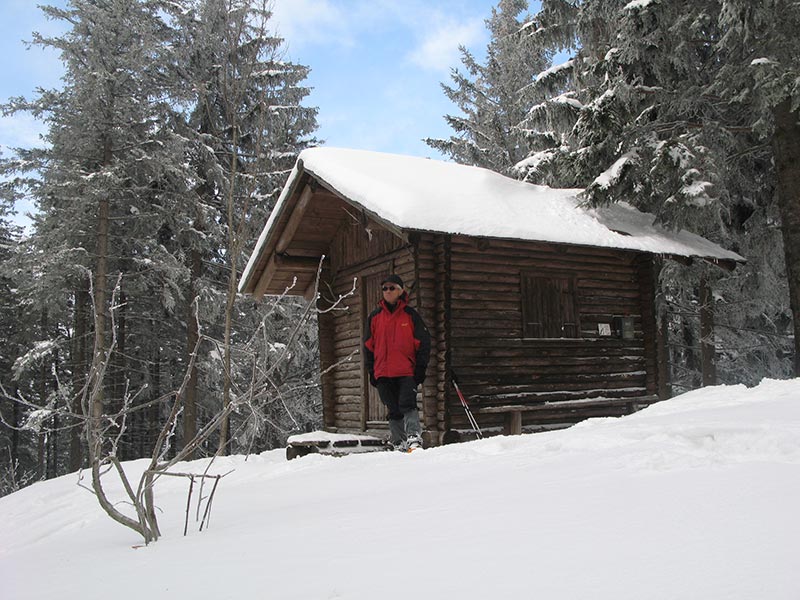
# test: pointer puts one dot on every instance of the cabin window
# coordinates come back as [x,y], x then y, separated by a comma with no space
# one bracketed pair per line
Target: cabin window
[549,309]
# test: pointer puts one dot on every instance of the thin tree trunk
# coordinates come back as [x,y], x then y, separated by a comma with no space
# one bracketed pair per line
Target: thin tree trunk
[41,450]
[151,425]
[120,368]
[95,396]
[16,415]
[52,449]
[786,148]
[192,335]
[233,253]
[100,283]
[100,294]
[226,389]
[78,370]
[707,347]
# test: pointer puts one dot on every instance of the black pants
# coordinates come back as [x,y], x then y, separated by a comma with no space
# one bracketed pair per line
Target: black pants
[398,394]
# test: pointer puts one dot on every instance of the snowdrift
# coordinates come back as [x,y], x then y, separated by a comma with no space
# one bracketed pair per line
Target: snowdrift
[696,497]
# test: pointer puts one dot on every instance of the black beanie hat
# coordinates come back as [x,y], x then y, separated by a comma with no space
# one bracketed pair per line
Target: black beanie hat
[393,279]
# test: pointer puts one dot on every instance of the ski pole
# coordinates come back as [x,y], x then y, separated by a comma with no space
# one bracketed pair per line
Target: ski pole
[470,417]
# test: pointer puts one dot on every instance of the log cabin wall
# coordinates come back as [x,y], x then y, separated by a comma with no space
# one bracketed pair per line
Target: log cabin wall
[427,299]
[648,272]
[498,365]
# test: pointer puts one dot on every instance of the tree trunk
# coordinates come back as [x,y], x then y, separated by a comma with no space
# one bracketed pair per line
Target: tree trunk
[17,422]
[153,413]
[786,148]
[78,371]
[120,373]
[52,448]
[707,347]
[192,335]
[234,248]
[41,449]
[226,387]
[100,283]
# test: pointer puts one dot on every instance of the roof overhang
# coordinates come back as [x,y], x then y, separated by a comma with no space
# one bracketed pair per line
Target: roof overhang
[408,194]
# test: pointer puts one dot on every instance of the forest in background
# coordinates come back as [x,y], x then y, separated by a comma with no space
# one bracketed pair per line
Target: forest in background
[687,110]
[175,130]
[179,122]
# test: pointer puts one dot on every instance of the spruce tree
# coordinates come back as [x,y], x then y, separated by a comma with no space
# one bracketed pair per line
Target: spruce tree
[490,95]
[247,124]
[684,109]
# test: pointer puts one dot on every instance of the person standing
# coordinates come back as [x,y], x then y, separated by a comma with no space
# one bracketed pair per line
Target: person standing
[397,347]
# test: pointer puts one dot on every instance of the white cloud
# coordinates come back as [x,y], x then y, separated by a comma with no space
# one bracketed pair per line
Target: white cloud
[307,22]
[438,49]
[20,131]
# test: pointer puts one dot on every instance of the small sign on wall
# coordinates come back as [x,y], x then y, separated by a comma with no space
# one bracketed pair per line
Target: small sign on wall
[620,327]
[623,328]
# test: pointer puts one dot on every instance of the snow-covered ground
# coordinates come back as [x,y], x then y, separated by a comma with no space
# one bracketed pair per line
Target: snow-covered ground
[694,498]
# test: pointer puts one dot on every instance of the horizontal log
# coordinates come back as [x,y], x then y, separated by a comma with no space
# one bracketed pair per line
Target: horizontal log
[350,387]
[577,364]
[616,306]
[526,247]
[573,396]
[348,425]
[551,349]
[500,314]
[460,329]
[512,377]
[344,400]
[570,390]
[581,267]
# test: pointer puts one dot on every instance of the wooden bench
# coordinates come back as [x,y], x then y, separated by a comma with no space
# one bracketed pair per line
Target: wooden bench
[332,444]
[513,412]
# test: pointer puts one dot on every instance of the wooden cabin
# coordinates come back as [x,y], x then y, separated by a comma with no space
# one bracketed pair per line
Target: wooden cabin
[543,309]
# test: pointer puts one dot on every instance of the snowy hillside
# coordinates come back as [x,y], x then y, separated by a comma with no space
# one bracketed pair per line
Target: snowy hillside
[695,498]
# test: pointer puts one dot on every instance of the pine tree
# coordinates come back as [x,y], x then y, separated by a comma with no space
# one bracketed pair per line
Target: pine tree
[659,120]
[760,76]
[489,95]
[682,109]
[107,182]
[247,126]
[169,143]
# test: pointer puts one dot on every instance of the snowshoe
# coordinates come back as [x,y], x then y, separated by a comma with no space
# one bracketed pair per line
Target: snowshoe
[413,442]
[396,446]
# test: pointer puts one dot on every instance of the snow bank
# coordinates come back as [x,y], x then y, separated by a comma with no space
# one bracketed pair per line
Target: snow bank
[691,498]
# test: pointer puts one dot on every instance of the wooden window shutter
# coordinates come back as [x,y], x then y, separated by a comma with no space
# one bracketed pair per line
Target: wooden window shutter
[548,307]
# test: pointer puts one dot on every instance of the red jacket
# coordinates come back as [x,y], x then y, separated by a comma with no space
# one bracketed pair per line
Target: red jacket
[397,343]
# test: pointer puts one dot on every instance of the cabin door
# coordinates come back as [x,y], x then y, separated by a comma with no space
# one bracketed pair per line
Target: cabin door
[374,412]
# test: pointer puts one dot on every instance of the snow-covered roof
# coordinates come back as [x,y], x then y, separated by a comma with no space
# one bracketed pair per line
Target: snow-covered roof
[413,193]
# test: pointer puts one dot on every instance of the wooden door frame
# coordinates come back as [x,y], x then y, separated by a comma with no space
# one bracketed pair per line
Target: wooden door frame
[367,304]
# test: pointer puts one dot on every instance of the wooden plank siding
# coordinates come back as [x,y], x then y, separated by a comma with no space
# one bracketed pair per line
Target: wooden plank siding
[426,298]
[497,365]
[470,293]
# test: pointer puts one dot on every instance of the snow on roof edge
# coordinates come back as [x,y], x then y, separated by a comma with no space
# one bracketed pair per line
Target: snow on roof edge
[291,182]
[423,194]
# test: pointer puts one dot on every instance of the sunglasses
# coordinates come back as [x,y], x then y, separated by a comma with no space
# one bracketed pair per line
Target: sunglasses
[389,288]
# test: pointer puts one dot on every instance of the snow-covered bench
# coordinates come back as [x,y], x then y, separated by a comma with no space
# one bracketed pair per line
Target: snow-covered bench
[513,412]
[335,444]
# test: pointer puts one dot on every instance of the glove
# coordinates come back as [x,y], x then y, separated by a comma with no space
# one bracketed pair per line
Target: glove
[372,381]
[419,373]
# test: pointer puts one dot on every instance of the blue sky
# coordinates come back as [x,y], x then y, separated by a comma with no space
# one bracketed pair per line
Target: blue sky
[376,65]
